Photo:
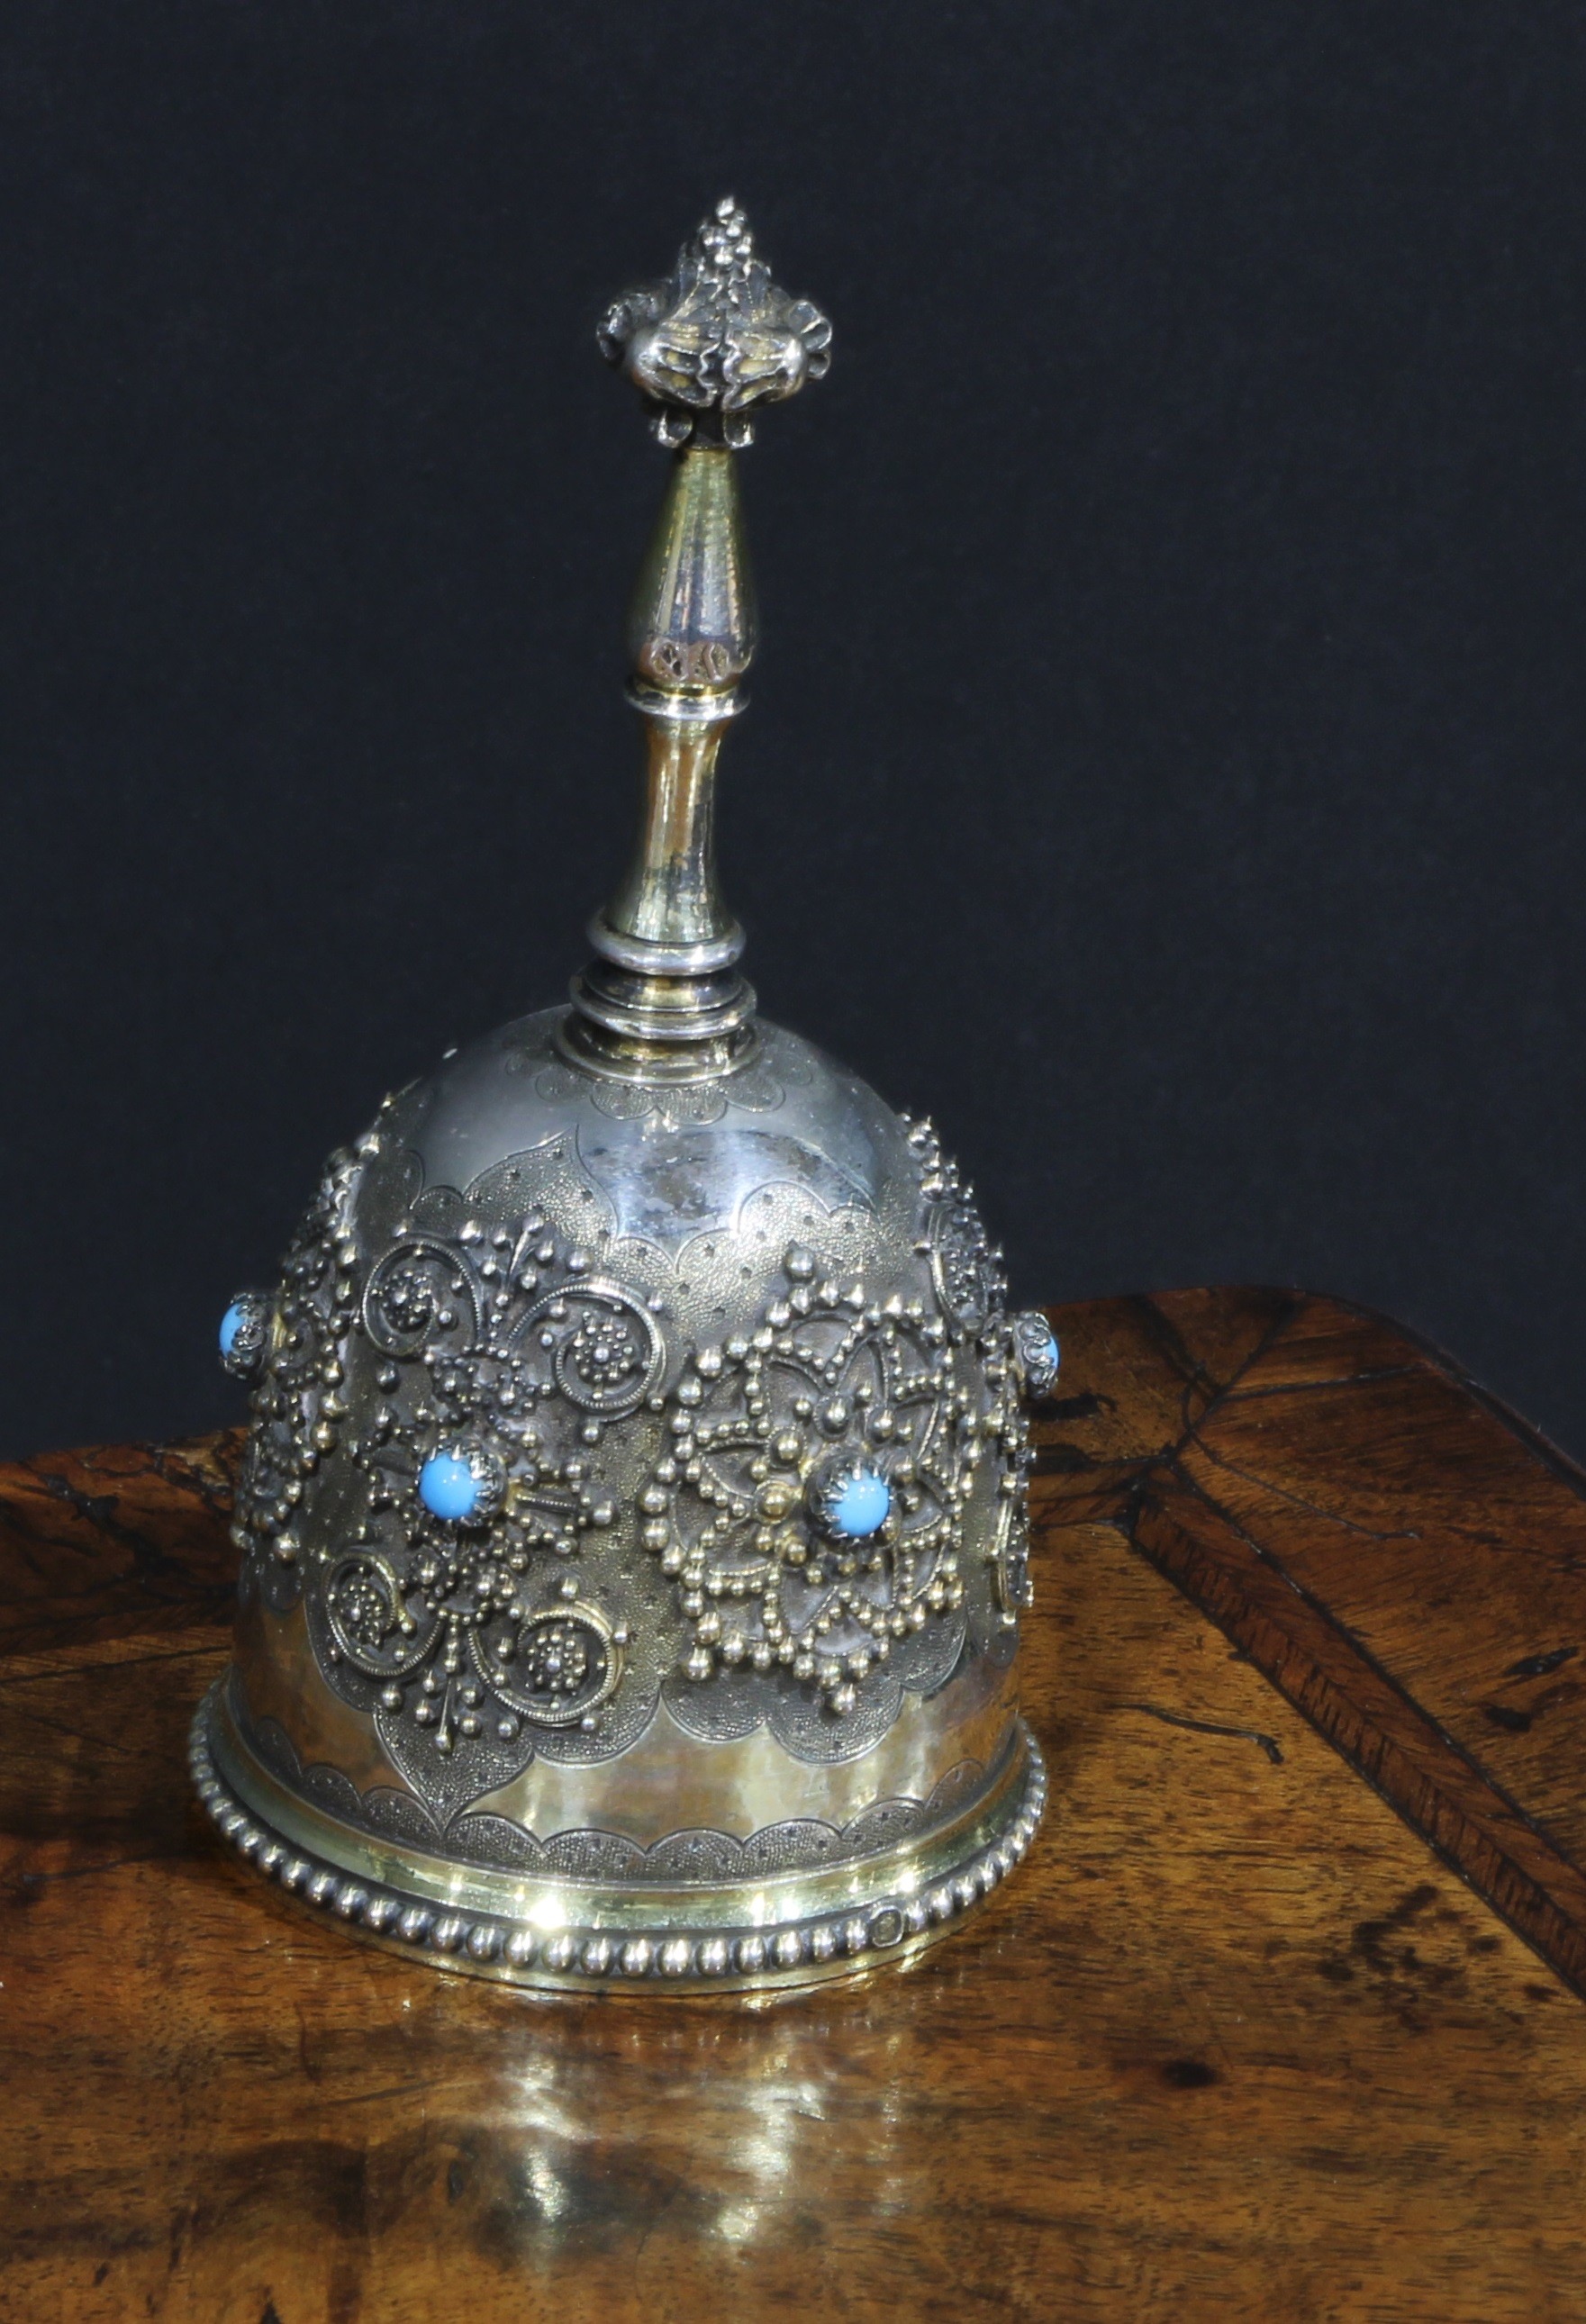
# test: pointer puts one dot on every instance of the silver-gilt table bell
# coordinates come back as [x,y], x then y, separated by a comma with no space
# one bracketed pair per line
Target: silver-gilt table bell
[632,1521]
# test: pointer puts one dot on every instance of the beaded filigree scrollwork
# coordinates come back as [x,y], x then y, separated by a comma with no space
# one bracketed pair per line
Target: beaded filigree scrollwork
[802,1487]
[501,1359]
[811,1495]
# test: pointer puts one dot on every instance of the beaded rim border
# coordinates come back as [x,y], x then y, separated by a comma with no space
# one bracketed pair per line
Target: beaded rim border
[488,1944]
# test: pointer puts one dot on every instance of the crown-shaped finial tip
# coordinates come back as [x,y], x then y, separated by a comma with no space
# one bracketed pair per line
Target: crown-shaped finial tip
[716,338]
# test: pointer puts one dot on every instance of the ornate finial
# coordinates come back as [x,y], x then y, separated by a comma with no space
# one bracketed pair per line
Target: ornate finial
[715,338]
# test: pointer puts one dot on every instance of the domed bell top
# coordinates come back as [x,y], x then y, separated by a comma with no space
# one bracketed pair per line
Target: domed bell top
[632,1521]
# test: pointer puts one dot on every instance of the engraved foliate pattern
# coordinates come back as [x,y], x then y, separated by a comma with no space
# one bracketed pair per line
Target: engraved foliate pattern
[683,1858]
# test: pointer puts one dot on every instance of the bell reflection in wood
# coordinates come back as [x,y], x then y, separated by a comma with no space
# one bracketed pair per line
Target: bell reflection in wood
[633,1522]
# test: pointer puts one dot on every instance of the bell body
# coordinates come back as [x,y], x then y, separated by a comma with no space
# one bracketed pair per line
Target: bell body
[634,1531]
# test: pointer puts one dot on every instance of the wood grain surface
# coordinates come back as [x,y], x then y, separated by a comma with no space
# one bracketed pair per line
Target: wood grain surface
[1236,2042]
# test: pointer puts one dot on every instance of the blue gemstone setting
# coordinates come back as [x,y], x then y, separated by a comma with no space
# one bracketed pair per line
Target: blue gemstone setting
[244,1335]
[860,1505]
[1036,1353]
[449,1488]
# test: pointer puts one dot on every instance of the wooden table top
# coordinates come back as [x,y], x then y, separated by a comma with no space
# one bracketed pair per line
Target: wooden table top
[1279,2021]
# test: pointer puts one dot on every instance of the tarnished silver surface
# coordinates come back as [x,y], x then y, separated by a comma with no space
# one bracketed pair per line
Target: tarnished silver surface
[633,1520]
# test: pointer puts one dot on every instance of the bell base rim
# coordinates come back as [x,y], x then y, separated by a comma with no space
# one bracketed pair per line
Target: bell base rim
[896,1906]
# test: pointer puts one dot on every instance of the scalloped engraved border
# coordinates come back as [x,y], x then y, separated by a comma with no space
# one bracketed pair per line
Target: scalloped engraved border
[793,1952]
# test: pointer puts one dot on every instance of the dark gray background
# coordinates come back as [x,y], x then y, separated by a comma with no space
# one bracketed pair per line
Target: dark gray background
[1164,761]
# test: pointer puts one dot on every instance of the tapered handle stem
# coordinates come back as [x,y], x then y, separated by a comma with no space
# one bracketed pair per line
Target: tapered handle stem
[662,999]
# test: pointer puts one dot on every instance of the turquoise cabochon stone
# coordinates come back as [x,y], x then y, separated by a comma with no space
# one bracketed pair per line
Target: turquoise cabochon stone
[448,1487]
[861,1505]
